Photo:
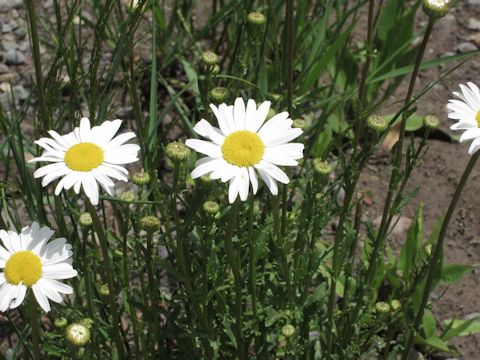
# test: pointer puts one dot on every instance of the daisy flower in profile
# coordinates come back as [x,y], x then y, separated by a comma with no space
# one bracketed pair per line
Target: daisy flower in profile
[28,261]
[467,112]
[244,145]
[87,157]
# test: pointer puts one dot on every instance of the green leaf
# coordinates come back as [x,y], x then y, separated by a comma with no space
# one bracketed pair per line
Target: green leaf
[316,70]
[453,272]
[412,246]
[429,324]
[425,65]
[461,328]
[435,343]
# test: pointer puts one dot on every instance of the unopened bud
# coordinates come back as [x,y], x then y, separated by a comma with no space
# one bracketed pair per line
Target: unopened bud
[60,323]
[377,123]
[288,330]
[428,249]
[436,8]
[85,220]
[209,58]
[141,178]
[77,334]
[431,122]
[206,179]
[382,307]
[256,18]
[150,223]
[211,207]
[177,151]
[128,196]
[395,305]
[104,290]
[87,322]
[322,167]
[299,124]
[219,95]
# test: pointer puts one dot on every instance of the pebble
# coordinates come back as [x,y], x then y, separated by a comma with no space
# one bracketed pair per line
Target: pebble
[473,24]
[6,28]
[7,5]
[473,2]
[4,68]
[466,47]
[14,57]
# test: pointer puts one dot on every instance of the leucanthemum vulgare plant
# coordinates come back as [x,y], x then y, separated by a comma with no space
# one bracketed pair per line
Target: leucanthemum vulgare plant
[221,216]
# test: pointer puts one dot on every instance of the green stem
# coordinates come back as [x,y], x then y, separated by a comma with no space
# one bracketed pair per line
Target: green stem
[32,19]
[397,161]
[116,324]
[252,267]
[437,252]
[234,260]
[35,329]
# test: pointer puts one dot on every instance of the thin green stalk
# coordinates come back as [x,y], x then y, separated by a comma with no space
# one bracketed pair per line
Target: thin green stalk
[116,324]
[34,326]
[433,267]
[397,161]
[252,267]
[234,260]
[35,43]
[290,49]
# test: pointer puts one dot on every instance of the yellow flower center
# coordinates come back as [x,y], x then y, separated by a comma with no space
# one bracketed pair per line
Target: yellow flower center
[243,148]
[23,266]
[84,157]
[478,119]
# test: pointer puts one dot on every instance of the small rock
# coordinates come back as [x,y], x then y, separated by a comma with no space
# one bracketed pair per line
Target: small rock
[466,47]
[7,28]
[473,315]
[14,57]
[4,69]
[475,38]
[473,2]
[5,87]
[8,5]
[20,92]
[473,24]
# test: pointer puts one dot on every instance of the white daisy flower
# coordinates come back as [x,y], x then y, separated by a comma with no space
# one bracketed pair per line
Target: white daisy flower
[244,145]
[29,262]
[467,112]
[87,157]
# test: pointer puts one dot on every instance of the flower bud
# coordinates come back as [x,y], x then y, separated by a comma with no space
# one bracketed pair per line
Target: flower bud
[85,220]
[395,305]
[256,18]
[377,123]
[436,8]
[382,307]
[77,334]
[60,323]
[128,196]
[177,151]
[216,70]
[104,290]
[211,207]
[288,330]
[219,95]
[141,178]
[209,58]
[270,114]
[299,124]
[87,322]
[150,223]
[428,249]
[206,179]
[321,167]
[431,122]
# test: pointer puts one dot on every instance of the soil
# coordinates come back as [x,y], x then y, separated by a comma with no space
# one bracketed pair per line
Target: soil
[438,174]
